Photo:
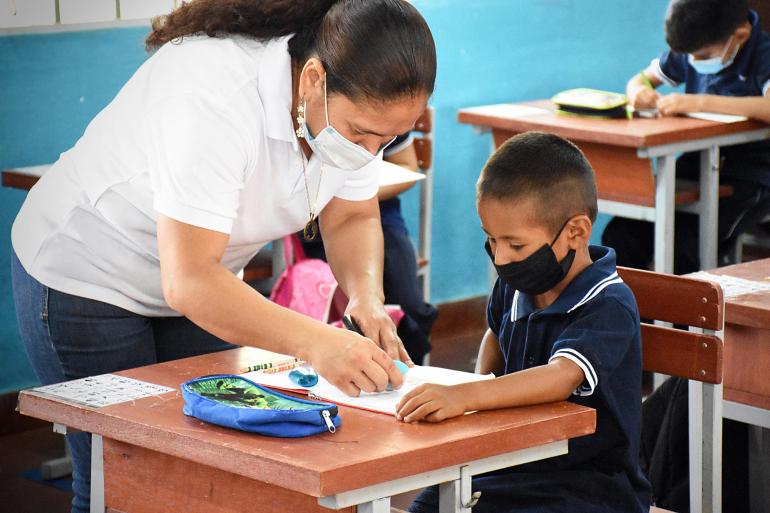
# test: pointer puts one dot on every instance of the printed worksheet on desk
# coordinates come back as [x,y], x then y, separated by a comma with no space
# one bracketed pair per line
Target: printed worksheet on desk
[381,402]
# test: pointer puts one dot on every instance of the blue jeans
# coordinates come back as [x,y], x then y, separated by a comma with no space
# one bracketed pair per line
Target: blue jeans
[69,337]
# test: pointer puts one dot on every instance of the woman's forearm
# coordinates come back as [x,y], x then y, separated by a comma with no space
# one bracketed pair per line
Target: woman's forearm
[225,306]
[354,249]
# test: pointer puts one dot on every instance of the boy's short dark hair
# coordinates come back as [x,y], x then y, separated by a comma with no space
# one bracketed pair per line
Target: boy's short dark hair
[546,168]
[694,24]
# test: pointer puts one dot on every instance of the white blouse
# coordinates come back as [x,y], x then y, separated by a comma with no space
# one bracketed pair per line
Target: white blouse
[202,133]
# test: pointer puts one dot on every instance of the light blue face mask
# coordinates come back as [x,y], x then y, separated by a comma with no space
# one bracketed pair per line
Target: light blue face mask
[715,64]
[333,148]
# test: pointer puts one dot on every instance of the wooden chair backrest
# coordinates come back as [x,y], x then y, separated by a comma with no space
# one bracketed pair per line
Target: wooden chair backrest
[683,301]
[423,140]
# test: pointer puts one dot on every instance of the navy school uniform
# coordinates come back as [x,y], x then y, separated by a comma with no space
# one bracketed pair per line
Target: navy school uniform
[748,75]
[594,323]
[745,167]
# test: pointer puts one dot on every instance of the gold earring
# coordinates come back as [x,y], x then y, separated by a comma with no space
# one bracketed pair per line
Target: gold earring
[301,121]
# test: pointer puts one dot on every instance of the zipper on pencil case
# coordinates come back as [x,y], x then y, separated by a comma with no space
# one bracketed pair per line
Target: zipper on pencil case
[327,416]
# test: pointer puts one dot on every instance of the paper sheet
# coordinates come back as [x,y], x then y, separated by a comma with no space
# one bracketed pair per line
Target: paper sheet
[732,286]
[391,174]
[384,402]
[713,116]
[103,390]
[508,110]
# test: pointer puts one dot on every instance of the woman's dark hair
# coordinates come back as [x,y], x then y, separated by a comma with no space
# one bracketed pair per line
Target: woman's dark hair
[544,168]
[694,24]
[372,49]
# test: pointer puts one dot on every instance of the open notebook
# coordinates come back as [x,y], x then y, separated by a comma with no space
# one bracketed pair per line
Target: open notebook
[382,402]
[391,174]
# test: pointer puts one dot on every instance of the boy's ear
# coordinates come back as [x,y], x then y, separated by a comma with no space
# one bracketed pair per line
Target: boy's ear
[742,33]
[579,231]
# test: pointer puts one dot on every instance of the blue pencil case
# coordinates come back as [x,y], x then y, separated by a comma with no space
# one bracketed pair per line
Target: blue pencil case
[236,402]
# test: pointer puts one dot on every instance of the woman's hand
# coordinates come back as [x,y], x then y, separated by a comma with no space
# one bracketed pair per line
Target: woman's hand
[370,315]
[353,363]
[432,403]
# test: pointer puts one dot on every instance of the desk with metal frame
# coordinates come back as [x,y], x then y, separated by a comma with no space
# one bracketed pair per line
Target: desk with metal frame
[620,151]
[746,367]
[147,452]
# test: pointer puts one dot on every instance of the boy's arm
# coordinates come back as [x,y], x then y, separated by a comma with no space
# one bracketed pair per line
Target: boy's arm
[490,359]
[554,381]
[755,107]
[641,89]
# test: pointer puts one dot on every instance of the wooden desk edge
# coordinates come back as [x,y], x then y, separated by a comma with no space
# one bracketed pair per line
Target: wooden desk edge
[577,134]
[581,421]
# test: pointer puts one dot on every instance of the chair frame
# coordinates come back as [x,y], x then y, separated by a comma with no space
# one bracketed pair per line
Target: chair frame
[695,354]
[424,149]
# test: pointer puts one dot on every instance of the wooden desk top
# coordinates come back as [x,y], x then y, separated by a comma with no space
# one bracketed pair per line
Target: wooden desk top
[751,310]
[635,133]
[369,448]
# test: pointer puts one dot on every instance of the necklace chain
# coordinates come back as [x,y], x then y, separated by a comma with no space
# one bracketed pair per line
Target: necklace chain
[311,227]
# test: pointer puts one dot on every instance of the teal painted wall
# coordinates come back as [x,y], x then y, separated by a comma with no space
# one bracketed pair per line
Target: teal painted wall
[51,86]
[489,51]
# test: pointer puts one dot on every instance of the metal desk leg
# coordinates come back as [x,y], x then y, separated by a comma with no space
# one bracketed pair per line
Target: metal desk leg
[58,467]
[456,496]
[665,185]
[375,506]
[708,210]
[97,474]
[705,442]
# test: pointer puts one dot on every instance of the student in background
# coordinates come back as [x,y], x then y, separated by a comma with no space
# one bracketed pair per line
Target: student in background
[718,50]
[562,326]
[400,282]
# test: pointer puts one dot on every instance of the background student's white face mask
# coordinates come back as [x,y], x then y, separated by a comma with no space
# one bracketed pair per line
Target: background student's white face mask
[333,148]
[714,65]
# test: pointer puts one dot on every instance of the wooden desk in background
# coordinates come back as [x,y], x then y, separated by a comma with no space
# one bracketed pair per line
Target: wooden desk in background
[24,177]
[746,385]
[153,455]
[621,150]
[747,347]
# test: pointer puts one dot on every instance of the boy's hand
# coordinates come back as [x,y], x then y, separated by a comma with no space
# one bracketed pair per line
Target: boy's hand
[645,98]
[676,103]
[432,403]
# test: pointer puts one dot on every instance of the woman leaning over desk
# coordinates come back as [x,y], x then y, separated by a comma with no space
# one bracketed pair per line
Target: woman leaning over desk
[251,119]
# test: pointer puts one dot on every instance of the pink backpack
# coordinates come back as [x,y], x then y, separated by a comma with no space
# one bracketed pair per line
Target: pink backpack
[308,286]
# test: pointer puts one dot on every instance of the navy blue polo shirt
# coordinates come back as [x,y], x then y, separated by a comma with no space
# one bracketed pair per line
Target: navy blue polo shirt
[748,75]
[595,324]
[390,209]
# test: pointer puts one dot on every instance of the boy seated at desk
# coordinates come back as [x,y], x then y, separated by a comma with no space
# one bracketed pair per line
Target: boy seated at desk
[718,50]
[562,326]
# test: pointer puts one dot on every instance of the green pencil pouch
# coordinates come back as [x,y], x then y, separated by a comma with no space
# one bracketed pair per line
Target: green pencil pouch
[591,102]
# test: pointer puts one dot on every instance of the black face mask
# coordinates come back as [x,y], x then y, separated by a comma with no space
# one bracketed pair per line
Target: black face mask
[539,272]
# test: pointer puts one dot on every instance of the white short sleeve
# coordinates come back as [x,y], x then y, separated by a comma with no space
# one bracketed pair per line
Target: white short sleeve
[198,157]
